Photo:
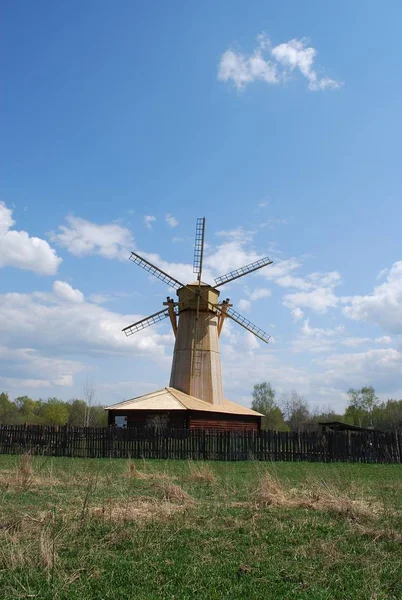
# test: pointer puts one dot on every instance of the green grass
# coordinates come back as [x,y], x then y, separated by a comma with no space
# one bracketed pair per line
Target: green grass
[99,529]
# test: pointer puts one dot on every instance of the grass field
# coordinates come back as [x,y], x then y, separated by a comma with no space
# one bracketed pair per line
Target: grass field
[99,529]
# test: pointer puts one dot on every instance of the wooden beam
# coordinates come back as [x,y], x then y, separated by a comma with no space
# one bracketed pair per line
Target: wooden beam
[222,315]
[172,315]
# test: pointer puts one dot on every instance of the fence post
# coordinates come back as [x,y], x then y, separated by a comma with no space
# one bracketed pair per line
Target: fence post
[398,445]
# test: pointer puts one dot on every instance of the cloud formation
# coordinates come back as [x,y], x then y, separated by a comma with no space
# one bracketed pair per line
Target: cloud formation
[82,237]
[316,292]
[64,291]
[26,368]
[19,250]
[148,220]
[383,306]
[274,65]
[171,220]
[63,322]
[382,365]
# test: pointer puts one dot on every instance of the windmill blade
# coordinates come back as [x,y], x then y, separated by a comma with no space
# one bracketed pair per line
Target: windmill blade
[259,264]
[156,271]
[197,268]
[144,323]
[238,318]
[199,247]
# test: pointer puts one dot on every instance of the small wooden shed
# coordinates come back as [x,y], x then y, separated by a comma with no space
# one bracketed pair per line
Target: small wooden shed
[341,426]
[173,409]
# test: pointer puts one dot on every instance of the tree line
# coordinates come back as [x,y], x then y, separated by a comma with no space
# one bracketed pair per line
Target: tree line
[53,411]
[289,412]
[292,412]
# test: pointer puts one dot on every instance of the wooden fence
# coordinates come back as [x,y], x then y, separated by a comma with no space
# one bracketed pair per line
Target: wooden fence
[97,442]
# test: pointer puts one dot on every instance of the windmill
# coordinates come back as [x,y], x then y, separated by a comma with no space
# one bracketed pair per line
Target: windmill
[197,319]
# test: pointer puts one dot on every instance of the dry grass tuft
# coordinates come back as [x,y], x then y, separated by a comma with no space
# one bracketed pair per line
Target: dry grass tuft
[174,493]
[318,496]
[26,541]
[136,510]
[134,473]
[16,554]
[46,549]
[270,492]
[27,475]
[202,473]
[323,496]
[376,533]
[24,470]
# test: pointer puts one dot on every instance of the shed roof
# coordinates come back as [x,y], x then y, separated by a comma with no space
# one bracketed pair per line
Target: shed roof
[169,398]
[341,426]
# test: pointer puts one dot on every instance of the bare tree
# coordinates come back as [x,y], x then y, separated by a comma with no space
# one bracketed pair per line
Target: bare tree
[295,409]
[89,395]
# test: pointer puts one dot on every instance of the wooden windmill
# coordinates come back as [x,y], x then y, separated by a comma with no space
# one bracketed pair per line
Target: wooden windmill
[197,319]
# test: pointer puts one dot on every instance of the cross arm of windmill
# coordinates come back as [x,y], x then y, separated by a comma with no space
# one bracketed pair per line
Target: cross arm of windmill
[197,295]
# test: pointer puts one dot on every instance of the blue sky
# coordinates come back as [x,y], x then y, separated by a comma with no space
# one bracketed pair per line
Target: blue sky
[278,122]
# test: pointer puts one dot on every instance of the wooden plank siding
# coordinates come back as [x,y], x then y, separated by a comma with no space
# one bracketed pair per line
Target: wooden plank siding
[187,419]
[177,419]
[224,422]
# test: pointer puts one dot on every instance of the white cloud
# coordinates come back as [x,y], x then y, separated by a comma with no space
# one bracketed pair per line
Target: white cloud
[385,339]
[230,255]
[64,291]
[19,250]
[148,220]
[244,304]
[316,339]
[99,298]
[318,300]
[82,237]
[171,220]
[275,66]
[281,271]
[271,223]
[320,295]
[181,271]
[355,341]
[264,365]
[297,314]
[259,293]
[6,218]
[252,295]
[251,342]
[236,235]
[384,306]
[62,322]
[25,368]
[64,380]
[243,70]
[24,384]
[377,367]
[382,274]
[296,55]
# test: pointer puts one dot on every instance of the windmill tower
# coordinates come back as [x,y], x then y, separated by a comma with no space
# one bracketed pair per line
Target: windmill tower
[197,318]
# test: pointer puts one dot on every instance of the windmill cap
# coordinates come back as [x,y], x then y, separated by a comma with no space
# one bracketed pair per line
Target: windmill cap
[202,283]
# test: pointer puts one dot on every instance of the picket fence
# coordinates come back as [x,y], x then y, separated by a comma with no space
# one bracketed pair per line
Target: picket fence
[112,442]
